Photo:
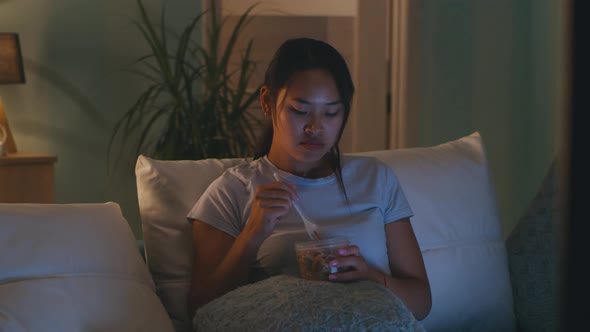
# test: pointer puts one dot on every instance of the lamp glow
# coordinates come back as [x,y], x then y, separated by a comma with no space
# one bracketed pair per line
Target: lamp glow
[11,72]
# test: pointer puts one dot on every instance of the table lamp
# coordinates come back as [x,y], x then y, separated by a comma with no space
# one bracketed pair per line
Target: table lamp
[11,72]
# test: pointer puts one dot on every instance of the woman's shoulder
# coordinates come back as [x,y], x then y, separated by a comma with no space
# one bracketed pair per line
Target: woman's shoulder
[368,167]
[363,162]
[243,172]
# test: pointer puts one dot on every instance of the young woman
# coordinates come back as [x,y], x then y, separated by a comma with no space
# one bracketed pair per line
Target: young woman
[244,228]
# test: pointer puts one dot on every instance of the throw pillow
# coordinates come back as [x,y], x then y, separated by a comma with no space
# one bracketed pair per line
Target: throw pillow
[532,256]
[166,191]
[457,225]
[285,303]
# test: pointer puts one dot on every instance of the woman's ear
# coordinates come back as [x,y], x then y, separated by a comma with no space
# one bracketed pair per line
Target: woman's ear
[265,101]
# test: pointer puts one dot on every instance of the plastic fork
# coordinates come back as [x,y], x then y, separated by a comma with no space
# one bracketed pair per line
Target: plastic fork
[311,228]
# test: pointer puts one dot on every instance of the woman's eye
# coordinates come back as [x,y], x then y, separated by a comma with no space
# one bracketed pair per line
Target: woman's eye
[332,114]
[296,111]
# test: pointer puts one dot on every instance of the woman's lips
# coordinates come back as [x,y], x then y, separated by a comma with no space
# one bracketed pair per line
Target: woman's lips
[312,145]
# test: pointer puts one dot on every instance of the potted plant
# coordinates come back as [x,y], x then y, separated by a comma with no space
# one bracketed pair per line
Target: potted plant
[196,103]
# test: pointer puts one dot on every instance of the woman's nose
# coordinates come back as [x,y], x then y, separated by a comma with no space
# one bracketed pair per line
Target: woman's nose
[313,125]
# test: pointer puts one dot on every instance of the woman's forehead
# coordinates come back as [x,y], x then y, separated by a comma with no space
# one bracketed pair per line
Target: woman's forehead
[311,87]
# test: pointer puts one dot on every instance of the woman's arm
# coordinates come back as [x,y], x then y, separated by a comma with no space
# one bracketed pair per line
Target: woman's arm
[408,275]
[221,263]
[408,278]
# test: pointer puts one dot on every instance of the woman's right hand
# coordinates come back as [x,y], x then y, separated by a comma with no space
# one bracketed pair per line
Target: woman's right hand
[271,202]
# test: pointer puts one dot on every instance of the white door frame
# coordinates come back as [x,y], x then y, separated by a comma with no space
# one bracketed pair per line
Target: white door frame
[368,119]
[398,128]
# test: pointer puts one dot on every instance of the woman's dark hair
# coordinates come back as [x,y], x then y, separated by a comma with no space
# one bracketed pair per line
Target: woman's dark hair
[300,54]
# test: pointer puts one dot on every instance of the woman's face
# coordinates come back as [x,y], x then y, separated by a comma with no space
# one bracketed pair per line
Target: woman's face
[307,118]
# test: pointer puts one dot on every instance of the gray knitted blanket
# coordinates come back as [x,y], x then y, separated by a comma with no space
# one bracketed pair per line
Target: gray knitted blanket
[285,303]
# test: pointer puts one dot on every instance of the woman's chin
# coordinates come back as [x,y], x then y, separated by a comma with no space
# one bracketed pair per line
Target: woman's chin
[313,150]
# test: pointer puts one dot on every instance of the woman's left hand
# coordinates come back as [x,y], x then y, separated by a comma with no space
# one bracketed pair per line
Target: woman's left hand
[352,264]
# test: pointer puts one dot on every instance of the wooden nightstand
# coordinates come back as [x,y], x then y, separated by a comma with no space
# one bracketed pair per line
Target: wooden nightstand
[27,178]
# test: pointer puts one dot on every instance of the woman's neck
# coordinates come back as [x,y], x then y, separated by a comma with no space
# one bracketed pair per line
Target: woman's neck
[321,169]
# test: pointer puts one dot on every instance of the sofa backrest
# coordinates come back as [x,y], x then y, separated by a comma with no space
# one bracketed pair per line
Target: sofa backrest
[456,222]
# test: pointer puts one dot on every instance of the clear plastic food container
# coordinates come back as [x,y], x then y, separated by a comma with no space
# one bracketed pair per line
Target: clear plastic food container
[313,257]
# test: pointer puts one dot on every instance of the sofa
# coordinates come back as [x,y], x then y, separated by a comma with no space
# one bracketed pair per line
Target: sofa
[77,267]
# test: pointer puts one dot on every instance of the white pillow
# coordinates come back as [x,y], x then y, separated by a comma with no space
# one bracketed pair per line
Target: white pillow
[74,267]
[166,191]
[456,222]
[457,225]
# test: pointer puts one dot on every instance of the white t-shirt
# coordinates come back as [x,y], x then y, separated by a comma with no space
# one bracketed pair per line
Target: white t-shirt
[375,198]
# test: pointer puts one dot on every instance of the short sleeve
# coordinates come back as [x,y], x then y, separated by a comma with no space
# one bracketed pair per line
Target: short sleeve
[219,205]
[396,205]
